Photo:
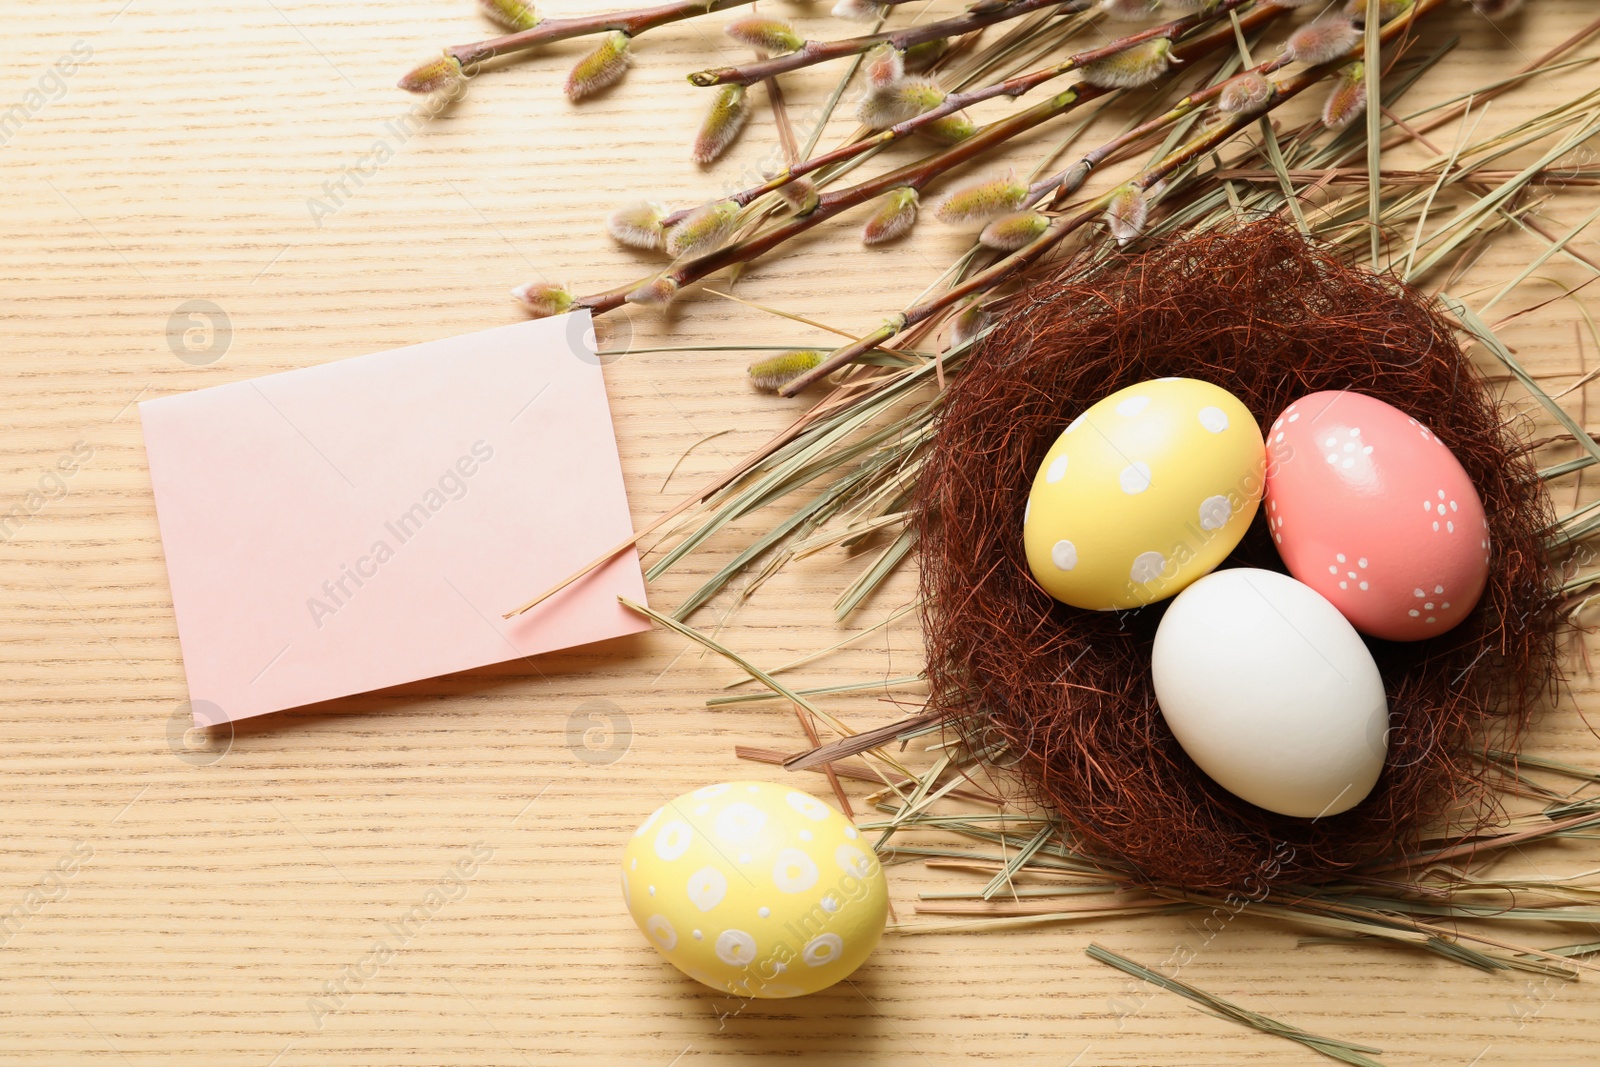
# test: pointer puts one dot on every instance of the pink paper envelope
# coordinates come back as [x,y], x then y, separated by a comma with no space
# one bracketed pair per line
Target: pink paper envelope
[364,523]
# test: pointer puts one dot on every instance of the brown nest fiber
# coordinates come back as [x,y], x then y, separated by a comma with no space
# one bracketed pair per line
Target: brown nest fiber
[1269,316]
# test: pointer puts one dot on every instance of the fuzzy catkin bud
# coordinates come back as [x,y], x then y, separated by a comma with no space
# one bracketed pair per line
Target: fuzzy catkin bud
[948,129]
[703,229]
[1387,10]
[602,67]
[1132,67]
[658,293]
[638,225]
[1130,10]
[1348,100]
[1011,232]
[919,57]
[442,73]
[1245,94]
[857,10]
[884,67]
[894,217]
[800,194]
[1322,41]
[982,200]
[770,35]
[906,99]
[1127,213]
[969,323]
[775,372]
[730,109]
[512,14]
[1184,6]
[543,299]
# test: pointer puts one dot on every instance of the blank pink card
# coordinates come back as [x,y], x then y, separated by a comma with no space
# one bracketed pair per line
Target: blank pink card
[364,523]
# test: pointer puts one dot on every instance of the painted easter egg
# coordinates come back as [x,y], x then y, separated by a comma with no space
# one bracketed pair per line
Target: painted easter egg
[1143,493]
[1271,692]
[756,890]
[1369,508]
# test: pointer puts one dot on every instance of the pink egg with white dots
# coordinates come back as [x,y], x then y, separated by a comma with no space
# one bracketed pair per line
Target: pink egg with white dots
[1369,508]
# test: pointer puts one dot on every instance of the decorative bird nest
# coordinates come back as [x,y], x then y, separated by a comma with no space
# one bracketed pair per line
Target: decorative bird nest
[1270,316]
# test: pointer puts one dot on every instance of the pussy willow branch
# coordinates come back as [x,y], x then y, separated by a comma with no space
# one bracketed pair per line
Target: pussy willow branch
[632,22]
[914,175]
[813,52]
[1013,87]
[1064,186]
[1008,267]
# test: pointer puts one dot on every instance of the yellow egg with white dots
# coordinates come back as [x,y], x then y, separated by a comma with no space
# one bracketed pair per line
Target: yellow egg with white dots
[1143,493]
[755,889]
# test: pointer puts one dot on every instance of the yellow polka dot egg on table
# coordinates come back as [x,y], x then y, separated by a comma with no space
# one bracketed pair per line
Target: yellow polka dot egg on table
[755,889]
[1143,493]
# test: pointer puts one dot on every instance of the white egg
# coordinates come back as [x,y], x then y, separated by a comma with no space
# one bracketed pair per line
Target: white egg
[1271,692]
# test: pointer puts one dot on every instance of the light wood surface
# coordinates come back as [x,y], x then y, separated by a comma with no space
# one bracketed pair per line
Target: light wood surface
[217,905]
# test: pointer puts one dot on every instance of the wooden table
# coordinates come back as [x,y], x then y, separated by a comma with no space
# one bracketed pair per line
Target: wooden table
[218,902]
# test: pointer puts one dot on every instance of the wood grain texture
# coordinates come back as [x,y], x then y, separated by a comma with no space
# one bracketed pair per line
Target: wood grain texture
[223,905]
